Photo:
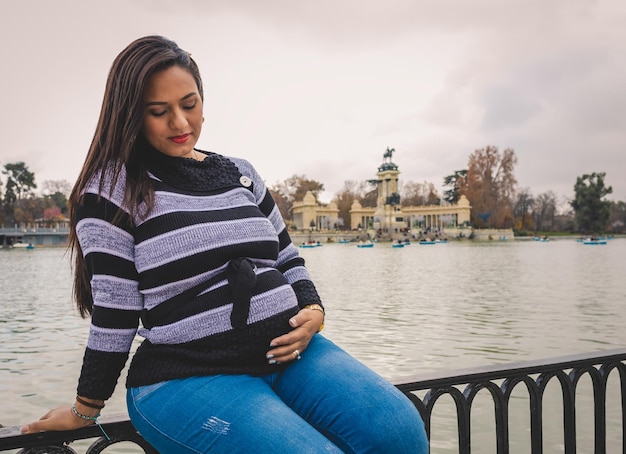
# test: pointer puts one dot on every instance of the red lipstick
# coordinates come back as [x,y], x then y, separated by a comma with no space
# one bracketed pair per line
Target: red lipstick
[180,139]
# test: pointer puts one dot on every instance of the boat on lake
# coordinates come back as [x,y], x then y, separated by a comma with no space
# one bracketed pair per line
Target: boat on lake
[311,244]
[365,244]
[593,241]
[23,246]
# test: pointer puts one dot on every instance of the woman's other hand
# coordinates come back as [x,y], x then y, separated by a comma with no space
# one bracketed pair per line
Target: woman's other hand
[61,418]
[290,346]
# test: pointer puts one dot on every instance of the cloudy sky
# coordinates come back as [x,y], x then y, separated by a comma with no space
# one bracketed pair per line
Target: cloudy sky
[321,88]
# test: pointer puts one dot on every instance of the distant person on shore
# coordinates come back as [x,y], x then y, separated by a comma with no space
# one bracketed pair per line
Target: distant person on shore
[191,244]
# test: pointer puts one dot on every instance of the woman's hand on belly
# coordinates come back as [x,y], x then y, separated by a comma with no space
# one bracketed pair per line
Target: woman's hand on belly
[290,346]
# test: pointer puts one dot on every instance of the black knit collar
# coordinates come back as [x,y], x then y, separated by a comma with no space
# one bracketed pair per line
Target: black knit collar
[215,172]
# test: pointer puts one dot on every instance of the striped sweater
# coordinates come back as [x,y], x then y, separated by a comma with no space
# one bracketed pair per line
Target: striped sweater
[211,275]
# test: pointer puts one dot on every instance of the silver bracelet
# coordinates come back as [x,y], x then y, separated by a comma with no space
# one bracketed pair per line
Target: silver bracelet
[81,416]
[90,418]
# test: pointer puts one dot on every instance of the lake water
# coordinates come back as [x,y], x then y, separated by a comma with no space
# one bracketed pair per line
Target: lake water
[402,311]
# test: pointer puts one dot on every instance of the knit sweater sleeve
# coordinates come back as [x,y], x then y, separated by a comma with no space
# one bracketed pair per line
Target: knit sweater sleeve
[289,262]
[108,249]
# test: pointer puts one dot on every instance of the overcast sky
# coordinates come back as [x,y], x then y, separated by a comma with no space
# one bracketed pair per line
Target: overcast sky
[321,88]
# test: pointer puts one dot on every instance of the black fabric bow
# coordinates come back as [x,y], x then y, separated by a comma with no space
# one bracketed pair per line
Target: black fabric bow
[241,274]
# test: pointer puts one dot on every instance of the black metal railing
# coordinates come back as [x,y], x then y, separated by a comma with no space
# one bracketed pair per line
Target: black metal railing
[117,427]
[462,386]
[501,380]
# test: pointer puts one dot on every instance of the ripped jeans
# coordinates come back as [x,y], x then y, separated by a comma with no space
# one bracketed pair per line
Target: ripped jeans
[327,402]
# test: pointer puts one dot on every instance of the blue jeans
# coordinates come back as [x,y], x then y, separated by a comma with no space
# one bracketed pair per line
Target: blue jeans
[327,402]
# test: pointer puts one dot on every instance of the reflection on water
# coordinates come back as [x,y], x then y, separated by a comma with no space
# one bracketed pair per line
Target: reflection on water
[401,311]
[464,304]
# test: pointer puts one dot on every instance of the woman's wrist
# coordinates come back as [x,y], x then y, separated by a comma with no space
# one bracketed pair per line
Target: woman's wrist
[88,407]
[317,307]
[88,410]
[85,417]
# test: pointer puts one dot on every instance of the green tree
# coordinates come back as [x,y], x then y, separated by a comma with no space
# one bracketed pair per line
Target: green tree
[456,182]
[60,201]
[57,191]
[304,185]
[591,210]
[10,197]
[19,183]
[20,180]
[370,198]
[617,220]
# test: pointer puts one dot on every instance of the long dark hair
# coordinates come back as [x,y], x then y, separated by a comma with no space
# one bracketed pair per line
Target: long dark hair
[117,142]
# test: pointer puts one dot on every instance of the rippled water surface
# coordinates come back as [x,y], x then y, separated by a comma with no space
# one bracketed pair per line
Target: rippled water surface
[401,311]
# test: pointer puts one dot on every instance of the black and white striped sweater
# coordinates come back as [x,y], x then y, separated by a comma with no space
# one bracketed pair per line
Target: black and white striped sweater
[211,273]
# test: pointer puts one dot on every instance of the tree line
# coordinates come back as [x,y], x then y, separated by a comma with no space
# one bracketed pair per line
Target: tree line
[497,201]
[488,182]
[21,206]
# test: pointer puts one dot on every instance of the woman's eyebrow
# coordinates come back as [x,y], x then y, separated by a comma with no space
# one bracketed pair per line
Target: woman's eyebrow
[161,103]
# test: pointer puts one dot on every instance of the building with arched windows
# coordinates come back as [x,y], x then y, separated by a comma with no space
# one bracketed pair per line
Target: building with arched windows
[388,215]
[308,214]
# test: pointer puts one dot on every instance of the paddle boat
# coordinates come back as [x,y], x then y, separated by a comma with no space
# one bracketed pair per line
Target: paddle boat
[20,245]
[593,241]
[310,244]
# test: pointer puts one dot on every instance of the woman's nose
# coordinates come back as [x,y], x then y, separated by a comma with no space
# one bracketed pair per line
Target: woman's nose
[178,120]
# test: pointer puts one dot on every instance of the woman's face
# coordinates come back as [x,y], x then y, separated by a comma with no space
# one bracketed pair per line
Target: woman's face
[172,118]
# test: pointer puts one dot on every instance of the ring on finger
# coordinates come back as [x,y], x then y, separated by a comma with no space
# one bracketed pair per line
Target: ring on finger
[296,354]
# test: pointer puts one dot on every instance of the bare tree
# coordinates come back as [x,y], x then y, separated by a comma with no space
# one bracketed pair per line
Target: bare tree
[544,211]
[418,194]
[524,203]
[52,186]
[490,186]
[293,189]
[351,191]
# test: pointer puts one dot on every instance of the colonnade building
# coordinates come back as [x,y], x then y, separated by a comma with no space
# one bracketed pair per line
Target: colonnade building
[388,215]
